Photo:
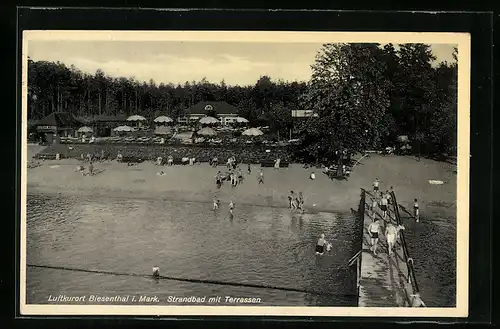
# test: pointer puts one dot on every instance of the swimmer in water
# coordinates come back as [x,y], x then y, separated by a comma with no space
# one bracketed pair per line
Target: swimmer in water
[374,229]
[415,210]
[391,233]
[320,245]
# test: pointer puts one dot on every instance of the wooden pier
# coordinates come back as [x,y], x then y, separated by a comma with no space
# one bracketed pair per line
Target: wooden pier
[383,280]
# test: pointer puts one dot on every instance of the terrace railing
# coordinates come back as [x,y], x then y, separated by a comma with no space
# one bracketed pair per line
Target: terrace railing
[412,279]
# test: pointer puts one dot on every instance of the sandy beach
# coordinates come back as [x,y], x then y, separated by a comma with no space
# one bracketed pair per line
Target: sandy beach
[409,177]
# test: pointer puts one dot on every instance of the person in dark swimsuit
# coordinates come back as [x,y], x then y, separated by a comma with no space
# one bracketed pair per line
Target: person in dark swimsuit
[374,229]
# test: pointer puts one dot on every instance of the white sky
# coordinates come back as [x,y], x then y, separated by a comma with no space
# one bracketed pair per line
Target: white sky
[238,63]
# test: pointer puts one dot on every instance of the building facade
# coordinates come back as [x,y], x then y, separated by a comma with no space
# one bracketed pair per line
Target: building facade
[224,112]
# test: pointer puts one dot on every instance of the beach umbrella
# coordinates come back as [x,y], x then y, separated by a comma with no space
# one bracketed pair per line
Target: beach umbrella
[208,120]
[85,129]
[241,120]
[136,118]
[207,132]
[124,129]
[163,119]
[163,130]
[252,132]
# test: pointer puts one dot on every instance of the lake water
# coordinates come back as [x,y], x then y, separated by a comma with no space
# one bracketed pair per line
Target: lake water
[260,245]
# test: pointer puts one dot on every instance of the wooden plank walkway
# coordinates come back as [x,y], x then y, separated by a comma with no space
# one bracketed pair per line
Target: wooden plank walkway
[382,280]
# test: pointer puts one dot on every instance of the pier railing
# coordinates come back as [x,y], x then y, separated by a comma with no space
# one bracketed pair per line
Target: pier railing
[412,279]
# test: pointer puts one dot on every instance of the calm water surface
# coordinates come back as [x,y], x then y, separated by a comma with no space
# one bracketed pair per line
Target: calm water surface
[260,245]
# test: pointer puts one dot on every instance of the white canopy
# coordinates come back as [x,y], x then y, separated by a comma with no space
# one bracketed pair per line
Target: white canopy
[241,120]
[163,118]
[208,120]
[252,132]
[136,118]
[124,128]
[85,129]
[207,132]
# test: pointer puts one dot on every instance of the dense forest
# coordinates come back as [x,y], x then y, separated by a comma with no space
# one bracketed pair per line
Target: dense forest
[365,96]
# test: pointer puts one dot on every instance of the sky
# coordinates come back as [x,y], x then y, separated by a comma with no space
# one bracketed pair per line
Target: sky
[237,63]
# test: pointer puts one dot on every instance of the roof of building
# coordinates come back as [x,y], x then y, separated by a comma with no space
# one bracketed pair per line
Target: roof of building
[59,119]
[110,118]
[218,106]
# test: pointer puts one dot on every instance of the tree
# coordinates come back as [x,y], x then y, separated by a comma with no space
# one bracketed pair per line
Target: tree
[348,92]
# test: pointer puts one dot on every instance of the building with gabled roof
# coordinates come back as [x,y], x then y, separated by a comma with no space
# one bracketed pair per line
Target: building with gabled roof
[57,124]
[225,112]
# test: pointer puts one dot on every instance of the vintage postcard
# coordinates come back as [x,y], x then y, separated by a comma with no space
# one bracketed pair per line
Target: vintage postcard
[245,173]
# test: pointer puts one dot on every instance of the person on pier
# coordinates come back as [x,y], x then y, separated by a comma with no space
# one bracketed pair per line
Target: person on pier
[374,229]
[383,206]
[391,235]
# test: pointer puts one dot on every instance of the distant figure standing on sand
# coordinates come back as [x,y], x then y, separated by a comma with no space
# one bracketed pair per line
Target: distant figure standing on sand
[170,160]
[374,229]
[91,169]
[320,245]
[119,157]
[102,155]
[231,208]
[260,178]
[218,179]
[312,176]
[277,163]
[216,204]
[215,161]
[249,169]
[383,206]
[415,210]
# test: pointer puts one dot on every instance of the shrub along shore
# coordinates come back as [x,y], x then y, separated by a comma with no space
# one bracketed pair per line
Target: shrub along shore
[150,152]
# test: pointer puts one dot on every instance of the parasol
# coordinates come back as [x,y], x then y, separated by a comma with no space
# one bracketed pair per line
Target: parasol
[124,128]
[136,118]
[252,132]
[241,120]
[163,119]
[208,120]
[85,129]
[207,132]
